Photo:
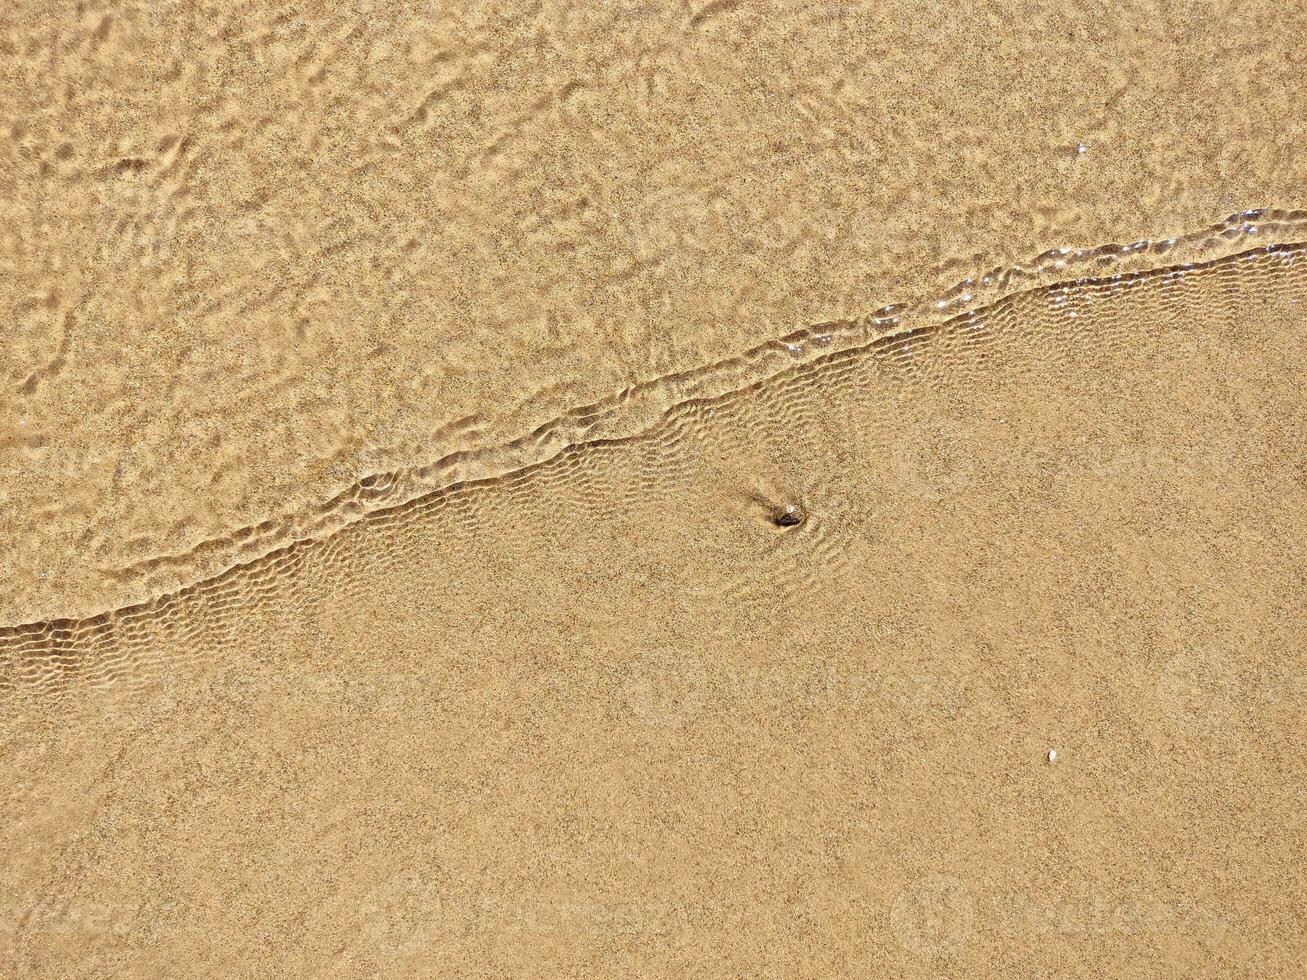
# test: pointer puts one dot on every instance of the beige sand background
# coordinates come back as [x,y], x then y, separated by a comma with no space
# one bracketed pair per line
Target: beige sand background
[583,708]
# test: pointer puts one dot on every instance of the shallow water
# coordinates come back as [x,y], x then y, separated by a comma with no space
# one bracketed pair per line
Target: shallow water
[401,413]
[278,254]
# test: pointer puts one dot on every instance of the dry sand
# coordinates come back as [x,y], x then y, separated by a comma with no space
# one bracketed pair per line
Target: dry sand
[401,408]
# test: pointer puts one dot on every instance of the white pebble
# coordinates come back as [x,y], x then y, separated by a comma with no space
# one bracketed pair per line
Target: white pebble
[1052,755]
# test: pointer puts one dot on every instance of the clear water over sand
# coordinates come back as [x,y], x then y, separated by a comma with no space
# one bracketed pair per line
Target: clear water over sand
[400,414]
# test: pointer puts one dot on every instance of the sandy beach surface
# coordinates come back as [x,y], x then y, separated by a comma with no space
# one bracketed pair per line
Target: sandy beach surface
[631,489]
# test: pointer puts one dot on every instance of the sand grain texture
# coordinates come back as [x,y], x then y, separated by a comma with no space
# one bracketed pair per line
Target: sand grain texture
[399,404]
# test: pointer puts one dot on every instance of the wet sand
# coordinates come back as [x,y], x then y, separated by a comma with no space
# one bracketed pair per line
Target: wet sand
[277,254]
[403,581]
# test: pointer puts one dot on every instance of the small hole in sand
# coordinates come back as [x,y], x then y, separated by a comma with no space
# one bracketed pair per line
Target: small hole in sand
[788,516]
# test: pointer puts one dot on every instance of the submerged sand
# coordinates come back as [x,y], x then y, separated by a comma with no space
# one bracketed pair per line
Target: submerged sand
[402,407]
